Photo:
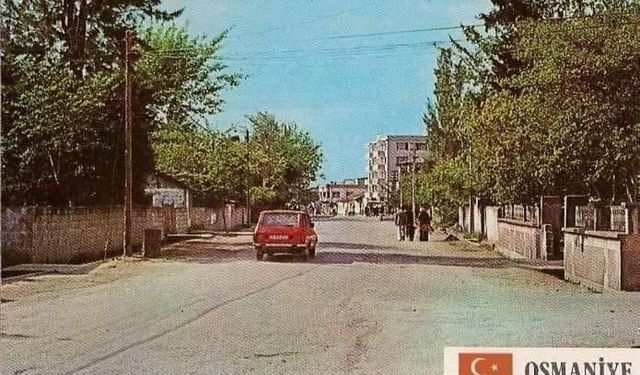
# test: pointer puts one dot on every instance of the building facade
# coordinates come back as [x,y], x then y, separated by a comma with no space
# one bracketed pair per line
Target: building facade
[385,157]
[344,197]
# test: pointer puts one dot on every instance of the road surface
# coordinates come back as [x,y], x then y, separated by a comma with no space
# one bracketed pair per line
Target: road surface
[366,305]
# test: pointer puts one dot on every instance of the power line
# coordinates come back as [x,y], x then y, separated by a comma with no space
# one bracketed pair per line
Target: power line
[441,28]
[410,31]
[380,50]
[293,53]
[306,22]
[435,42]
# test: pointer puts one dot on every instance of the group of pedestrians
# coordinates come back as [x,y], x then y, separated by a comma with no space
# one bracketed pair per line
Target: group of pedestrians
[405,220]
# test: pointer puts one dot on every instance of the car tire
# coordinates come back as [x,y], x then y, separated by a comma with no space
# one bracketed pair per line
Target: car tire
[312,252]
[306,254]
[259,256]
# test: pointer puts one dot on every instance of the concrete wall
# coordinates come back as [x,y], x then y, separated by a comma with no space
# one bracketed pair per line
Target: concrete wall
[80,234]
[518,239]
[478,215]
[593,258]
[491,223]
[212,218]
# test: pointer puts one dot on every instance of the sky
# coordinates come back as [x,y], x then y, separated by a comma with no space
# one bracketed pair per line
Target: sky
[306,61]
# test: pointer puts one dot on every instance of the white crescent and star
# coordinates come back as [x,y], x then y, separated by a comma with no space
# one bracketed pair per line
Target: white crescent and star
[474,371]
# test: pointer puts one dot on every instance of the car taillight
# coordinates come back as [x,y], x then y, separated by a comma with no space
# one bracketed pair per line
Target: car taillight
[258,237]
[300,237]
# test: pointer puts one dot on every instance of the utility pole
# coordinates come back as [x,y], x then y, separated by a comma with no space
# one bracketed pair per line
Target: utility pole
[400,184]
[128,180]
[413,183]
[247,182]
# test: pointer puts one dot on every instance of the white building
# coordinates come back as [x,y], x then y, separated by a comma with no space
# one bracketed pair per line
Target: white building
[385,154]
[344,198]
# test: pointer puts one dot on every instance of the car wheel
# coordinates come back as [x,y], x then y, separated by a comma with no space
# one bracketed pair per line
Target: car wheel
[312,252]
[306,254]
[259,256]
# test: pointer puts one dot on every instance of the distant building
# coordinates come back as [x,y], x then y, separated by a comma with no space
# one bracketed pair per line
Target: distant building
[165,191]
[344,197]
[386,155]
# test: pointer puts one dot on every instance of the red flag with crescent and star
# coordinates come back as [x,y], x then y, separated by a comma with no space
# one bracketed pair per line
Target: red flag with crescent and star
[485,364]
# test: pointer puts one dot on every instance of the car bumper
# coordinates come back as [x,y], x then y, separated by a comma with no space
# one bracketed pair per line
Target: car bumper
[280,248]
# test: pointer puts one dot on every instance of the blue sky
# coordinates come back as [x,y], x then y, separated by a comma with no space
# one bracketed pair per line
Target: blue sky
[344,91]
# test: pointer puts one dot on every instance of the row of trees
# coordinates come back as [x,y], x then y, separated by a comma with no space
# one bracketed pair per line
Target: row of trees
[62,95]
[275,164]
[544,100]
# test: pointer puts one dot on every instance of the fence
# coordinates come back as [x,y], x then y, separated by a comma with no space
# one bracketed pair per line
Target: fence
[518,212]
[79,234]
[611,218]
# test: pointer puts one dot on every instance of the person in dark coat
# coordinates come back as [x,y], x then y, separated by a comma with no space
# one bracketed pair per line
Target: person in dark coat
[400,220]
[424,220]
[410,228]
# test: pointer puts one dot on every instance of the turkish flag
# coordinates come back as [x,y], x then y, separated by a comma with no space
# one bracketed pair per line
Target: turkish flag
[485,364]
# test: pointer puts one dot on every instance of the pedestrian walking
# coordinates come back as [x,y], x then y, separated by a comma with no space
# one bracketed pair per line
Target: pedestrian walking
[400,220]
[424,221]
[410,227]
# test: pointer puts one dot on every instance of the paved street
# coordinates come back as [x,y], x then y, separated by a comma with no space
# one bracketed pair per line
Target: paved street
[366,305]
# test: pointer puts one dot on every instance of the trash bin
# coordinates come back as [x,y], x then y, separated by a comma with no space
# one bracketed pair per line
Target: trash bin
[151,243]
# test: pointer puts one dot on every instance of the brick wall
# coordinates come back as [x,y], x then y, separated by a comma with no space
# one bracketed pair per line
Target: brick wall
[593,258]
[74,235]
[630,257]
[516,238]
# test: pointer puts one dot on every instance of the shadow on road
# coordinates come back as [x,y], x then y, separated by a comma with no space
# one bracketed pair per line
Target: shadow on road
[220,252]
[355,246]
[336,257]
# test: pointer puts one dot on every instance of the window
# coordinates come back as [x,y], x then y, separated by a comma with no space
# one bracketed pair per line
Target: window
[401,159]
[280,220]
[421,146]
[394,175]
[402,146]
[335,194]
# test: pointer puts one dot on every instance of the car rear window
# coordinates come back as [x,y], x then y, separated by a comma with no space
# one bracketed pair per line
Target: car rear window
[280,220]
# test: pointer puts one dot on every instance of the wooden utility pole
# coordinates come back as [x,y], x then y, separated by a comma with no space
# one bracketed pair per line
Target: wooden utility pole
[128,134]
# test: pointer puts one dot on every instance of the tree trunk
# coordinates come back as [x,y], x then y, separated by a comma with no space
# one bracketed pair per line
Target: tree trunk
[74,24]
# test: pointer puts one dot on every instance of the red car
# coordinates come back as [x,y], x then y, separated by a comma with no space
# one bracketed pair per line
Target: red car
[285,232]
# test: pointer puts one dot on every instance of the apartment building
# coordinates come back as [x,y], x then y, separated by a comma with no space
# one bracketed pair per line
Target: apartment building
[386,155]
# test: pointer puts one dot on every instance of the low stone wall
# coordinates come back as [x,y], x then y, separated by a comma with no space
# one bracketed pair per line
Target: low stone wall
[518,239]
[80,234]
[593,258]
[213,219]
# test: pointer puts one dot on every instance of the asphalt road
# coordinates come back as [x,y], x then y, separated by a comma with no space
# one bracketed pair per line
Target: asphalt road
[366,305]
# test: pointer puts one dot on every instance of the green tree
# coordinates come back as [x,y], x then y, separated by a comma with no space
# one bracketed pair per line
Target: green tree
[284,160]
[278,163]
[62,134]
[548,105]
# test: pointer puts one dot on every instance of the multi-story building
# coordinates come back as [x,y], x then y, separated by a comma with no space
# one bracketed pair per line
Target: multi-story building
[386,155]
[344,197]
